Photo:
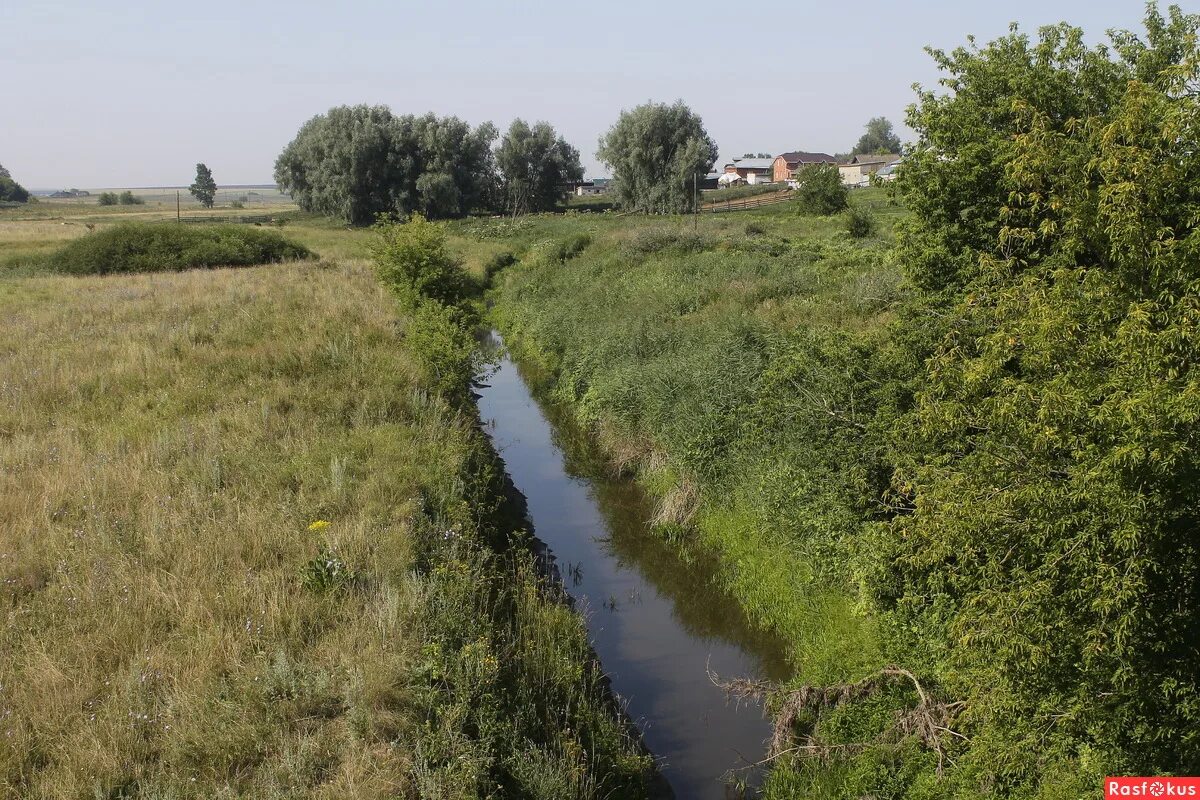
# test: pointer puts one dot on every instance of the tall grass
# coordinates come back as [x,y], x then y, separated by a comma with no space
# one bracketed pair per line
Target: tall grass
[180,455]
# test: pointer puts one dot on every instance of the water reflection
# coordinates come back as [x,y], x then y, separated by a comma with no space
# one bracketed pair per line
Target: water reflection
[658,620]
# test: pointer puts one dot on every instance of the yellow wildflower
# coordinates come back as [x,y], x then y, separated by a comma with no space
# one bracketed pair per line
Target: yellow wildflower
[318,525]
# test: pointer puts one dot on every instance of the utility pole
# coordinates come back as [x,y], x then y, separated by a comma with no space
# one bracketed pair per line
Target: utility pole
[178,216]
[695,201]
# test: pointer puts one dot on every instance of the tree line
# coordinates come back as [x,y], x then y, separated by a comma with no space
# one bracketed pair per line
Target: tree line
[357,162]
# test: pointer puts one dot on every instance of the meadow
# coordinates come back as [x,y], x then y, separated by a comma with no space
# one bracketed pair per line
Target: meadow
[247,550]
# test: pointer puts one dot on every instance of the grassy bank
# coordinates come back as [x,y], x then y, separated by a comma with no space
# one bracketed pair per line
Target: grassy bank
[246,551]
[668,340]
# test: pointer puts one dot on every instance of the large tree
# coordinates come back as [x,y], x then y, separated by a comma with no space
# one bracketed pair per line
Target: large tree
[356,162]
[656,151]
[878,138]
[534,165]
[204,188]
[1049,549]
[10,190]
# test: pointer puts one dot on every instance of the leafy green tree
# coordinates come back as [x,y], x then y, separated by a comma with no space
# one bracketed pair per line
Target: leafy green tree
[204,189]
[356,162]
[108,199]
[10,190]
[655,152]
[128,198]
[878,138]
[535,164]
[1049,549]
[819,190]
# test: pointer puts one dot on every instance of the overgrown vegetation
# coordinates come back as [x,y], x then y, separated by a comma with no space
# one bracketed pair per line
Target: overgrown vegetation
[158,247]
[981,477]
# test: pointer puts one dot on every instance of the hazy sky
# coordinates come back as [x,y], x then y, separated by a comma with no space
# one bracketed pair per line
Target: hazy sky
[135,93]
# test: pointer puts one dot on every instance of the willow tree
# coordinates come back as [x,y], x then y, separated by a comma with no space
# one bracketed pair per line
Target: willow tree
[535,165]
[356,162]
[657,152]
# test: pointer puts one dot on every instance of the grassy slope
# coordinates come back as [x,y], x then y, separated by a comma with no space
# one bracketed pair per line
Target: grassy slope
[173,627]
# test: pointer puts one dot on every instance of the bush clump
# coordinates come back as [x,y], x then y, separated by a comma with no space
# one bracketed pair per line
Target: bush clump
[160,247]
[412,260]
[859,222]
[820,191]
[657,240]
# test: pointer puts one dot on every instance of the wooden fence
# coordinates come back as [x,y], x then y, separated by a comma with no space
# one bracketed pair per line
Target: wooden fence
[749,202]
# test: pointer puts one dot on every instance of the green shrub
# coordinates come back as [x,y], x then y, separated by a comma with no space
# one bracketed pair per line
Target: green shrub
[860,222]
[657,240]
[108,198]
[161,247]
[237,204]
[412,260]
[819,190]
[128,198]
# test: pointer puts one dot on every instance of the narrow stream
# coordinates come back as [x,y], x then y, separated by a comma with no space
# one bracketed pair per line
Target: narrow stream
[658,622]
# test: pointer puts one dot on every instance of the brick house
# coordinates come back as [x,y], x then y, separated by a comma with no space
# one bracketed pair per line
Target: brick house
[784,166]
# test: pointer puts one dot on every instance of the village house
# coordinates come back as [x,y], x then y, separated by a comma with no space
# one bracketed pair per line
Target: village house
[749,170]
[784,166]
[859,169]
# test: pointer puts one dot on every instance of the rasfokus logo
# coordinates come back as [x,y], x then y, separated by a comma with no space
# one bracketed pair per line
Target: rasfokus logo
[1151,787]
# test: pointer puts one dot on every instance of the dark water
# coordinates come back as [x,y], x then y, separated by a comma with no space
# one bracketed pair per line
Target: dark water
[657,621]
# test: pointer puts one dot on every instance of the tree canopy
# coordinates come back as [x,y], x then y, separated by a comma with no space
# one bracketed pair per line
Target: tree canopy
[535,163]
[878,138]
[356,162]
[10,190]
[1049,549]
[656,151]
[204,188]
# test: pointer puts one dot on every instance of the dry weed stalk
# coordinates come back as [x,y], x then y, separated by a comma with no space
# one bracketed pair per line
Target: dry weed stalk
[928,721]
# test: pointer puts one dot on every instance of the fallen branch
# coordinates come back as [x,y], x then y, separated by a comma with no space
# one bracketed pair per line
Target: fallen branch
[928,721]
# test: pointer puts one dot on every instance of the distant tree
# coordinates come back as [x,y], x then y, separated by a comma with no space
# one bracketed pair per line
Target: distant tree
[819,190]
[757,155]
[108,199]
[534,165]
[128,198]
[205,188]
[10,190]
[879,138]
[356,162]
[656,151]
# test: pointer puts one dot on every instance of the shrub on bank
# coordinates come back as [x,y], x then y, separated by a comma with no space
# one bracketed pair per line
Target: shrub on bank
[162,247]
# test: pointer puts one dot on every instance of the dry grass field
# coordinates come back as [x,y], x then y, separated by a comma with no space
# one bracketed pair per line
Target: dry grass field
[242,554]
[166,444]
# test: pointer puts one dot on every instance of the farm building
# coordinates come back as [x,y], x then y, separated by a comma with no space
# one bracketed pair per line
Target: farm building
[593,187]
[750,170]
[784,166]
[859,169]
